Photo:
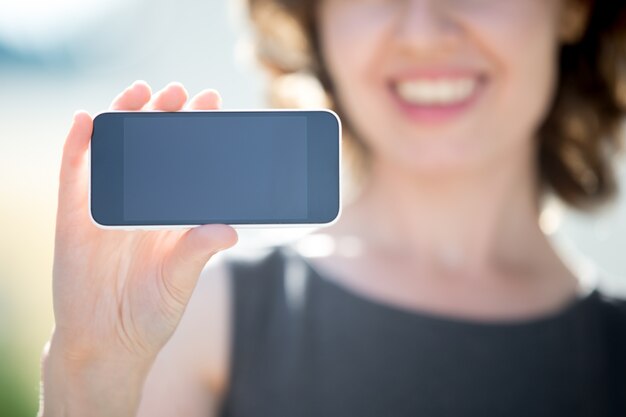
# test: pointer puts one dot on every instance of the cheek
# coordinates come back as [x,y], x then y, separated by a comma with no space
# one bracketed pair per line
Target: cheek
[525,55]
[353,41]
[352,38]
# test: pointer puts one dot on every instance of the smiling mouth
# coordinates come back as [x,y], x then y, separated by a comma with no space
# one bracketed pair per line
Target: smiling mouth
[440,92]
[437,97]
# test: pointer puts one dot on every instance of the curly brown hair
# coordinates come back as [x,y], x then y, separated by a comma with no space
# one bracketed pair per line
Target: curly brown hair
[579,137]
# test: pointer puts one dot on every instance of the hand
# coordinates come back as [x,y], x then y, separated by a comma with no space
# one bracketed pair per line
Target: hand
[119,295]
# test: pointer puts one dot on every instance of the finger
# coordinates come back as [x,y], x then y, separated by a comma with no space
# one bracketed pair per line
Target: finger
[206,100]
[133,98]
[171,98]
[182,267]
[73,175]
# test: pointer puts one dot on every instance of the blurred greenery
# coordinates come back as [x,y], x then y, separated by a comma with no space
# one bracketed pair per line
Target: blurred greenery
[18,396]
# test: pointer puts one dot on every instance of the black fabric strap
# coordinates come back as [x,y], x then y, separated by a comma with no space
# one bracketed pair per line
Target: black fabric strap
[615,314]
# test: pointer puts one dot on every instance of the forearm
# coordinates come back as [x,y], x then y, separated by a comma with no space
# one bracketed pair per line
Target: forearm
[98,388]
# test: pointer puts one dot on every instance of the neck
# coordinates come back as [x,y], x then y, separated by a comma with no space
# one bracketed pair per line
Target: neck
[474,220]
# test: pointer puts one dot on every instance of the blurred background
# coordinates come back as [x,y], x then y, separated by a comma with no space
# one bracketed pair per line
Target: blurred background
[63,55]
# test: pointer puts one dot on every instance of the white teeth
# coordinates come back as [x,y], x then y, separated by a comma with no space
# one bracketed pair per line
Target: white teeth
[436,92]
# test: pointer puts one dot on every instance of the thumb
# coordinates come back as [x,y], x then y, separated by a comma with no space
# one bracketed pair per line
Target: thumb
[182,267]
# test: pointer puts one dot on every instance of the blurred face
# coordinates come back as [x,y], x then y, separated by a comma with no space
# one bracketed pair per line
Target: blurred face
[441,85]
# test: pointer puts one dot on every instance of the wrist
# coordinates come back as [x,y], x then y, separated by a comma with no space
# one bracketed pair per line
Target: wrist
[95,386]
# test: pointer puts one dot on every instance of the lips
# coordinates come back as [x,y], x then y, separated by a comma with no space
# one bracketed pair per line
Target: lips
[437,96]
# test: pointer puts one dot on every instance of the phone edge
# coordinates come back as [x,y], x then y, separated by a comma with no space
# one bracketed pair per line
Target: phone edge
[234,225]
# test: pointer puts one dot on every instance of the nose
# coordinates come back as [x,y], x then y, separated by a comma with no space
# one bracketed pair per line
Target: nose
[425,25]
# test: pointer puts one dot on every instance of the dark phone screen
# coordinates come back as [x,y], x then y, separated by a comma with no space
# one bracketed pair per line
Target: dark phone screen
[251,167]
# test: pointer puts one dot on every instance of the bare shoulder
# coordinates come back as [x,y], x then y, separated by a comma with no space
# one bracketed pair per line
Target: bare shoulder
[190,373]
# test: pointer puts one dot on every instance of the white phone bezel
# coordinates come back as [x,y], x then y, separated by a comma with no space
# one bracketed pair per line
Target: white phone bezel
[236,226]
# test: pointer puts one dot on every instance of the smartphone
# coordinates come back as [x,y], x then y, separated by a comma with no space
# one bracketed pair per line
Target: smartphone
[182,169]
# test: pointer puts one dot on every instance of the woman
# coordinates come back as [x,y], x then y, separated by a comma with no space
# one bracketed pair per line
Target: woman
[441,295]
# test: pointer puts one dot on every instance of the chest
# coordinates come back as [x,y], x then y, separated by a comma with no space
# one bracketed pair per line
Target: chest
[408,284]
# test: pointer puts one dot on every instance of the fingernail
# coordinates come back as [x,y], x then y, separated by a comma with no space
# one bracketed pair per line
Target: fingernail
[219,98]
[76,113]
[140,83]
[174,84]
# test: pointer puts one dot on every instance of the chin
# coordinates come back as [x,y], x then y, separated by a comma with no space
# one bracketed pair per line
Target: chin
[440,162]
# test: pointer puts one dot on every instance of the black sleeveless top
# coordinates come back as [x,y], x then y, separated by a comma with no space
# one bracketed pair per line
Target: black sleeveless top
[303,345]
